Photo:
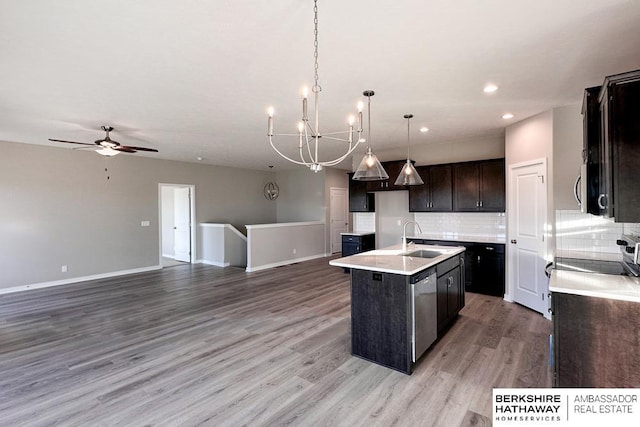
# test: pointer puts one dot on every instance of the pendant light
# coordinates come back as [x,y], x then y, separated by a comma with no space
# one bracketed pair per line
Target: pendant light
[408,175]
[370,168]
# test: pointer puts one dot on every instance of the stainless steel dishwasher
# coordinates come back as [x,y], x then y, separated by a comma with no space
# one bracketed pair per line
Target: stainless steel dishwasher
[424,315]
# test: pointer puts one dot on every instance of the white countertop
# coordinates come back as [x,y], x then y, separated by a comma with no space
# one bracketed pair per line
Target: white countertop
[456,237]
[611,286]
[391,260]
[358,233]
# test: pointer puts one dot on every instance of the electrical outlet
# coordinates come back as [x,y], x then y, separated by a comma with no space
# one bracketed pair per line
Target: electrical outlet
[294,251]
[63,268]
[144,223]
[399,223]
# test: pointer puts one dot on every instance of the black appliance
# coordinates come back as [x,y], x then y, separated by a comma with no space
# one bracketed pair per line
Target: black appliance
[630,248]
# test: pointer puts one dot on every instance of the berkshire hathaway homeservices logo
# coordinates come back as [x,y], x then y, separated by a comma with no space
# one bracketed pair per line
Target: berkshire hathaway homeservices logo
[566,407]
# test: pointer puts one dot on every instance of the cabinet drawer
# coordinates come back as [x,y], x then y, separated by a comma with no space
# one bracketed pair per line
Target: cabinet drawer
[448,265]
[347,239]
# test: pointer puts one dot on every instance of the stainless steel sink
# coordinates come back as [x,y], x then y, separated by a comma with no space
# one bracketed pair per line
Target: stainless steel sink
[423,253]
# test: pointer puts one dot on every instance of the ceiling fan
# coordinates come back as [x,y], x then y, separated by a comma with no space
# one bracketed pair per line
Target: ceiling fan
[108,147]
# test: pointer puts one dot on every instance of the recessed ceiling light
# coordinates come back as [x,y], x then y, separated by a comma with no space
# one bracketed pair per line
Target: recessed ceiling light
[424,129]
[507,116]
[199,159]
[490,88]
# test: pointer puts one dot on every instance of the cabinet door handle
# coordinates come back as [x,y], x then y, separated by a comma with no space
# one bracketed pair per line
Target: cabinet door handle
[489,248]
[477,204]
[480,204]
[600,204]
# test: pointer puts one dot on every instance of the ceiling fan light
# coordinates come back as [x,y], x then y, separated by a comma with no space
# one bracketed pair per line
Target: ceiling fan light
[107,151]
[409,175]
[370,169]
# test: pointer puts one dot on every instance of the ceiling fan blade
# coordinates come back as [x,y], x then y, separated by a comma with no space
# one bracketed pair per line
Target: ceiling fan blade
[124,149]
[139,148]
[71,142]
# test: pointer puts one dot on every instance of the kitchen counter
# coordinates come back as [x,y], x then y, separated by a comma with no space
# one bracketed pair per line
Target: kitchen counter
[610,286]
[391,260]
[456,237]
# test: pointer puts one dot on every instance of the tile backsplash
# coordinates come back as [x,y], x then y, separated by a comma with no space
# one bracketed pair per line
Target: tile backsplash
[577,231]
[463,223]
[364,221]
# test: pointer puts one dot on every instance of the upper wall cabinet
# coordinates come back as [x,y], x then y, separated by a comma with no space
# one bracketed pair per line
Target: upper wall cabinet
[479,186]
[620,147]
[359,199]
[436,194]
[591,150]
[393,169]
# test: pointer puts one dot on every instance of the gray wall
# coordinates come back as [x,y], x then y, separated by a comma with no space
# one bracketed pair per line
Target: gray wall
[301,195]
[58,209]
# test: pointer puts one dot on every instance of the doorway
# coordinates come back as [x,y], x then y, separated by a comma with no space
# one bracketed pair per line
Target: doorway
[339,217]
[177,219]
[527,240]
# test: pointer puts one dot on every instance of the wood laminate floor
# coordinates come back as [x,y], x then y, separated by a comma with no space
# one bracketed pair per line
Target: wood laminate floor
[200,345]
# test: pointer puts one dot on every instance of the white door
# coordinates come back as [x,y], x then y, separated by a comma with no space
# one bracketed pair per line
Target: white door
[526,234]
[339,217]
[182,224]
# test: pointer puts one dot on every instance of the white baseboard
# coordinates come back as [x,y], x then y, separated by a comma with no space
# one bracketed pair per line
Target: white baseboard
[169,256]
[214,263]
[281,263]
[78,279]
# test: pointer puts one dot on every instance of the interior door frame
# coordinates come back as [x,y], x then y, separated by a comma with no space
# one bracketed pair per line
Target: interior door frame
[192,225]
[548,240]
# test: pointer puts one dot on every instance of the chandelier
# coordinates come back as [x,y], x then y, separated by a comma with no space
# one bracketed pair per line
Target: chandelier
[309,134]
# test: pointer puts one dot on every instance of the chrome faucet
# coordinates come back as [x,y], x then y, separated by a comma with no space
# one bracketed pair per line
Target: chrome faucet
[404,233]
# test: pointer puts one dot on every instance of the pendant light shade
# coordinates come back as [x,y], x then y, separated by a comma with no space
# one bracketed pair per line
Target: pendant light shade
[370,168]
[408,175]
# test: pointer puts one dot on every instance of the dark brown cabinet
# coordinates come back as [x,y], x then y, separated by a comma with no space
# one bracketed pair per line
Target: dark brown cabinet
[484,265]
[380,320]
[591,150]
[354,244]
[595,342]
[619,101]
[359,199]
[393,169]
[436,194]
[479,186]
[450,291]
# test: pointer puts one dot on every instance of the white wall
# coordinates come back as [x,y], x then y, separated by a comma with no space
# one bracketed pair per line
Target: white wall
[58,209]
[432,153]
[567,149]
[392,211]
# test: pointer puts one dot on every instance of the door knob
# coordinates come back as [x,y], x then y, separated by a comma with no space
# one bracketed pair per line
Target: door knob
[514,241]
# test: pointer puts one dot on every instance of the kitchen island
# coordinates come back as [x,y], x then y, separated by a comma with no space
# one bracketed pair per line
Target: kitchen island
[402,300]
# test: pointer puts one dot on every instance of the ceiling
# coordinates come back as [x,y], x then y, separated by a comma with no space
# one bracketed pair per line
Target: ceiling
[194,78]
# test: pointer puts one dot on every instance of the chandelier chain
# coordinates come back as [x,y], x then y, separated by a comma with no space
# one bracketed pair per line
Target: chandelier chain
[316,88]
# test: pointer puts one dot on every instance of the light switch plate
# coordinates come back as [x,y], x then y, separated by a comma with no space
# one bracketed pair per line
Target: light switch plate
[144,223]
